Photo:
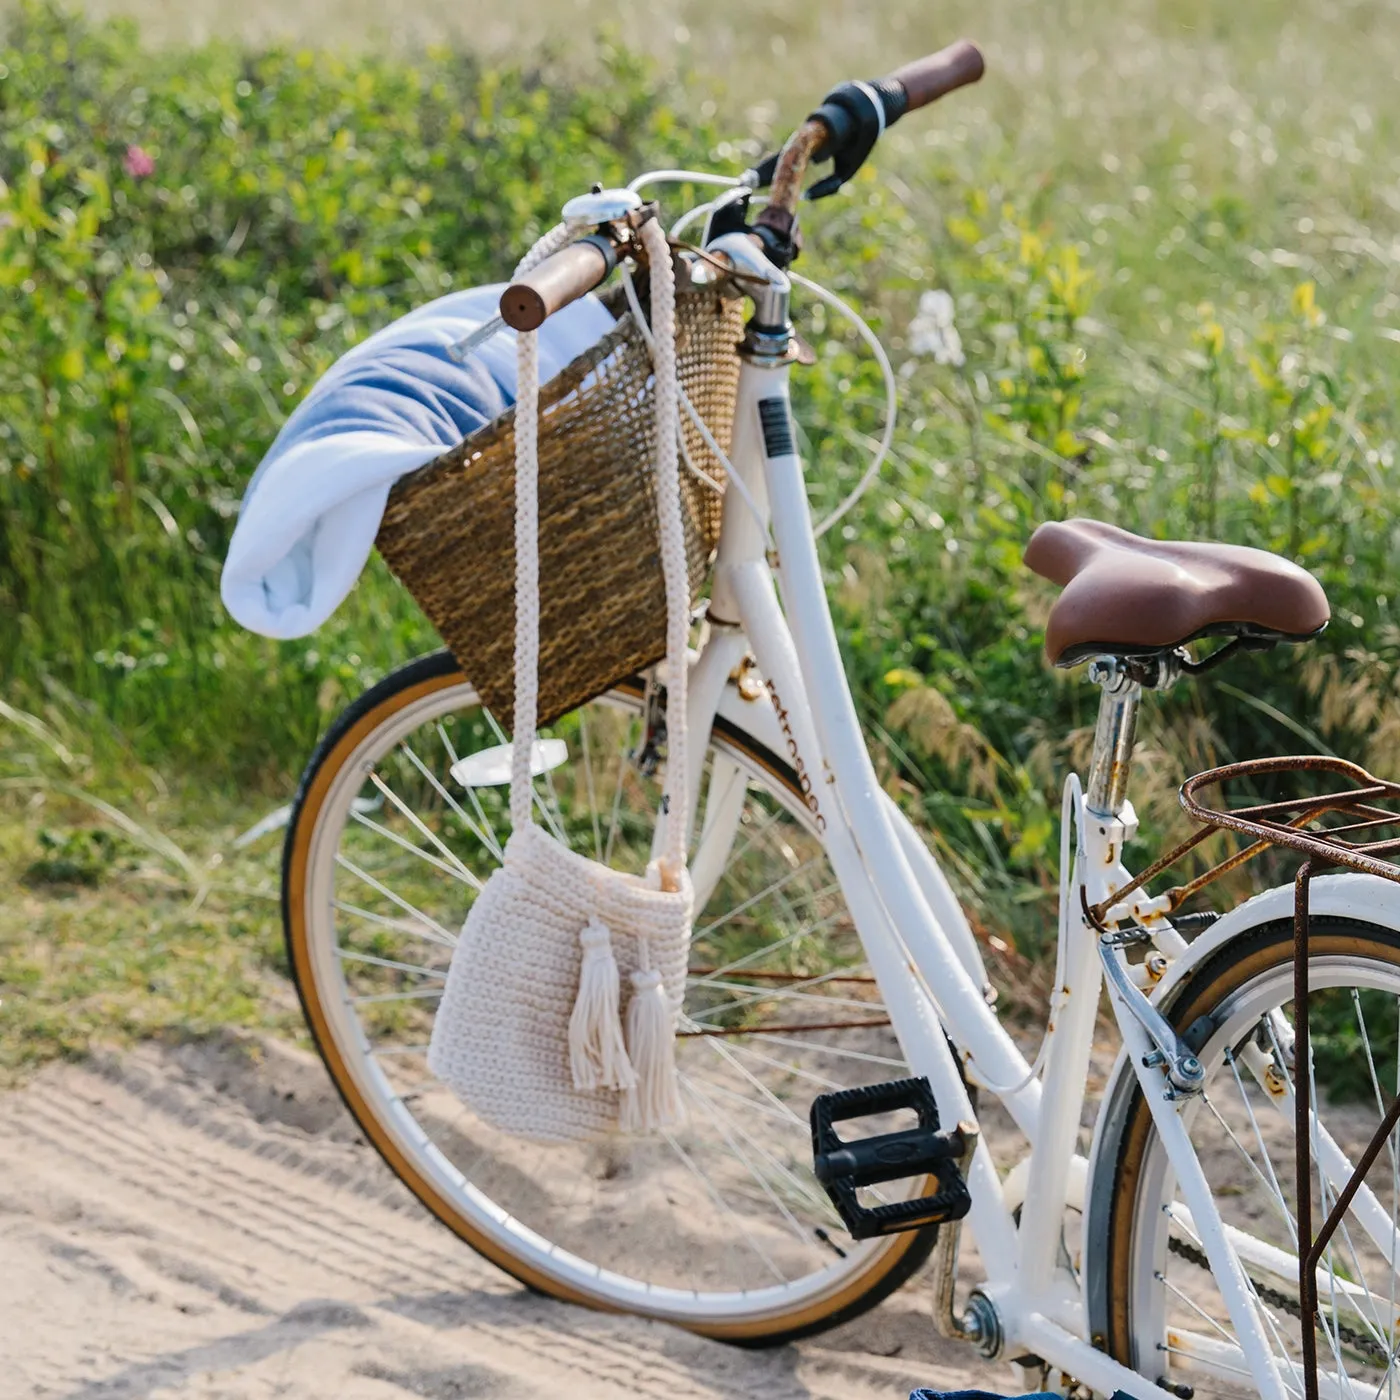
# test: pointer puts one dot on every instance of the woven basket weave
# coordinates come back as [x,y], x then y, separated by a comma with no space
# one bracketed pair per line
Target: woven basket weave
[448,531]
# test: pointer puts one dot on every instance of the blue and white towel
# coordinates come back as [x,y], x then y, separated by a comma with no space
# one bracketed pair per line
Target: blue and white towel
[313,507]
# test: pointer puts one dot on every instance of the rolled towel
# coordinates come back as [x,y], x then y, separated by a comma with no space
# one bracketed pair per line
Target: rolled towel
[312,509]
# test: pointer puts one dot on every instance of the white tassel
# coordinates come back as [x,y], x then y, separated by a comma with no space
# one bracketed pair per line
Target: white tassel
[655,1101]
[597,1052]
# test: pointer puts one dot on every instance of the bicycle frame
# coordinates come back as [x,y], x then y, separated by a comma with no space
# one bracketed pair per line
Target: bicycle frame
[919,945]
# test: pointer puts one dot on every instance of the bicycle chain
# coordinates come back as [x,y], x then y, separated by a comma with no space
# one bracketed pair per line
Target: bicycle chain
[1364,1344]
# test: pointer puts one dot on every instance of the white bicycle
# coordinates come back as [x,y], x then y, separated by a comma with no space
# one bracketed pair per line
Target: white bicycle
[831,955]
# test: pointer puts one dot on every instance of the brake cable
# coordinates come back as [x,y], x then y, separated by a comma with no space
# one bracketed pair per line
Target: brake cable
[891,396]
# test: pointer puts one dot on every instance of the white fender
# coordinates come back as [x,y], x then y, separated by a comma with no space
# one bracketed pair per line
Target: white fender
[1365,898]
[755,717]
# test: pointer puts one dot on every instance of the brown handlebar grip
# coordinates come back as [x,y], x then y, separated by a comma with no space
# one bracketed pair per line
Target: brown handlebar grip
[927,79]
[563,277]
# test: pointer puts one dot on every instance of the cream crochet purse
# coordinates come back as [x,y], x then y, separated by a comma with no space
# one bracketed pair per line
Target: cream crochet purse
[559,1014]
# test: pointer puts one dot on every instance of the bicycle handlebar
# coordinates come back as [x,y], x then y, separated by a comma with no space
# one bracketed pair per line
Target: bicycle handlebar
[845,128]
[927,79]
[562,277]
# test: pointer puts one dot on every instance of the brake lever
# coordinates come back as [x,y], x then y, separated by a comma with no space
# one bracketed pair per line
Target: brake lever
[760,176]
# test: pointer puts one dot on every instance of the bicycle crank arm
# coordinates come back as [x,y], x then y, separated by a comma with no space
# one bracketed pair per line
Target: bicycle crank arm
[1184,1071]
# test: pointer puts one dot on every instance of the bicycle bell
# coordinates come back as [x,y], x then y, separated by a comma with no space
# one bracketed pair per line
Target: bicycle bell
[600,206]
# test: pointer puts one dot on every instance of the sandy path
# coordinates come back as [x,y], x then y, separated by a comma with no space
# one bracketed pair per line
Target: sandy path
[204,1222]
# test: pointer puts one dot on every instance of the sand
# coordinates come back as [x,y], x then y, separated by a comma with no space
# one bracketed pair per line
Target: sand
[205,1221]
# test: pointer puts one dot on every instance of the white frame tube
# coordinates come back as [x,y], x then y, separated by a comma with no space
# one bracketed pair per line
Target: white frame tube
[916,938]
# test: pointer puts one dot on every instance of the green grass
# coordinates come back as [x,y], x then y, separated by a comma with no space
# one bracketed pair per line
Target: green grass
[84,966]
[1171,232]
[125,908]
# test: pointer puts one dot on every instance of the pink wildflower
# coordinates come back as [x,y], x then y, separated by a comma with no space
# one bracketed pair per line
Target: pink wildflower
[138,163]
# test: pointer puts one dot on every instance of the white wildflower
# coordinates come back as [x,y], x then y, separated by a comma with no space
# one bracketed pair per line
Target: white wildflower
[932,331]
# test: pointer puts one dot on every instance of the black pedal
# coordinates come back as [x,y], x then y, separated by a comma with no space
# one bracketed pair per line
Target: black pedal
[843,1167]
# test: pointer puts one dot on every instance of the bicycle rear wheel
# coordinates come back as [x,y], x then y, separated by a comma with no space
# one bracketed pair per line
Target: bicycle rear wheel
[1154,1304]
[719,1226]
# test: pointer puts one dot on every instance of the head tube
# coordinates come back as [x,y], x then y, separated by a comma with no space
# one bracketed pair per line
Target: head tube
[766,284]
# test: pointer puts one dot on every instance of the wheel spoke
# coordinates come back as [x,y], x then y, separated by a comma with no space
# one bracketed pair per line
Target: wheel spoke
[767,951]
[346,955]
[821,1048]
[1192,1304]
[592,792]
[1269,1182]
[483,833]
[723,1051]
[379,920]
[715,1195]
[418,994]
[419,826]
[780,1206]
[754,899]
[1209,1359]
[553,813]
[794,1183]
[756,836]
[1275,1190]
[623,764]
[820,1079]
[795,991]
[432,931]
[455,871]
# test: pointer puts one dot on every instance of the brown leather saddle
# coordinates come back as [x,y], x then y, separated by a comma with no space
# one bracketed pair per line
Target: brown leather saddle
[1128,596]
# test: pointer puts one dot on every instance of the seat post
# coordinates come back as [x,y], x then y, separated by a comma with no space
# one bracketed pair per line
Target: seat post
[1113,736]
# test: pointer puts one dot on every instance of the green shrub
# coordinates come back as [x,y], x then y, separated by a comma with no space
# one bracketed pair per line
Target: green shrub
[156,329]
[189,237]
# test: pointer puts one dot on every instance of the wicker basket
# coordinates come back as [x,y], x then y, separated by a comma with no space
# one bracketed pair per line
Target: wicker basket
[448,532]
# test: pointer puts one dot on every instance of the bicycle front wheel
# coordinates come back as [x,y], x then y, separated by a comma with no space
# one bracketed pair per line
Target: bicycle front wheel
[1155,1306]
[720,1225]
